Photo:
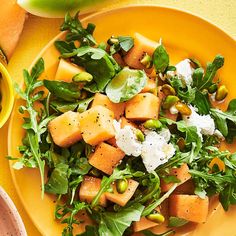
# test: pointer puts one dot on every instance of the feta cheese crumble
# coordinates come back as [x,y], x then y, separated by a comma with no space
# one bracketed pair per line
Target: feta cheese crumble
[185,71]
[126,140]
[154,150]
[204,123]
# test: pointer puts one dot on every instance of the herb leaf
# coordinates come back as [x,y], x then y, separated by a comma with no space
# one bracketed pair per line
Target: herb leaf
[160,59]
[115,223]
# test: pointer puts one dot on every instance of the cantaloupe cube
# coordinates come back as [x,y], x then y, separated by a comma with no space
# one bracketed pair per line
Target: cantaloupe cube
[96,125]
[124,122]
[103,100]
[142,45]
[122,199]
[180,173]
[189,207]
[89,189]
[151,87]
[66,71]
[142,107]
[112,141]
[106,157]
[65,129]
[187,187]
[143,224]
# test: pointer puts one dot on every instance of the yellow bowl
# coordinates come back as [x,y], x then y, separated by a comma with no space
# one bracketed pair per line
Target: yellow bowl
[7,93]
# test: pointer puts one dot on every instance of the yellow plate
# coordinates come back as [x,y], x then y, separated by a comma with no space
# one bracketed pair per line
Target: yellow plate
[184,35]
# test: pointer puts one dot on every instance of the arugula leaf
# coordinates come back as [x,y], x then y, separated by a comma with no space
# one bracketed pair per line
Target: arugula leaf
[152,180]
[67,215]
[126,84]
[160,59]
[67,91]
[64,47]
[223,119]
[64,106]
[115,223]
[202,102]
[76,30]
[201,81]
[58,181]
[186,93]
[34,126]
[156,203]
[150,233]
[176,222]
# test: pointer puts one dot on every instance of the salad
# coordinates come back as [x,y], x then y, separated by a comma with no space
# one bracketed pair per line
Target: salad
[126,139]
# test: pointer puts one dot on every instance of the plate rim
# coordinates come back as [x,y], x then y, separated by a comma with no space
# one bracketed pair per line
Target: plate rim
[60,34]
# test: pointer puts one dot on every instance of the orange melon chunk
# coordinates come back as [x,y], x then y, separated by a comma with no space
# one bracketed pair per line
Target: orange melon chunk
[89,189]
[103,100]
[66,71]
[189,207]
[11,24]
[124,122]
[122,199]
[65,129]
[143,224]
[142,107]
[180,173]
[96,125]
[141,46]
[106,157]
[151,87]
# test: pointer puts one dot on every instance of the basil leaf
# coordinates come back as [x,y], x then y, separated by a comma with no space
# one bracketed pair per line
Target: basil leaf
[58,181]
[160,59]
[176,222]
[126,84]
[115,223]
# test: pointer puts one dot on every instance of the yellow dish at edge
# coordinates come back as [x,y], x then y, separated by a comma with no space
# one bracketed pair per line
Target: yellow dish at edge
[7,94]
